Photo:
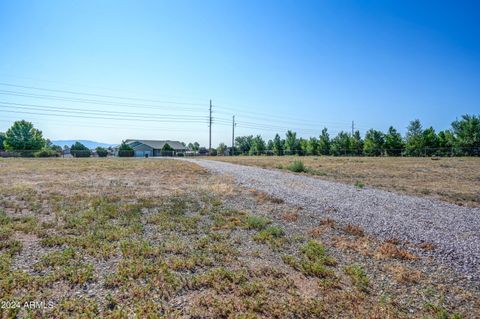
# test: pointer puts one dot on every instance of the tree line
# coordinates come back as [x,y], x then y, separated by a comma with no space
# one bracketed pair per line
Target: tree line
[462,139]
[22,139]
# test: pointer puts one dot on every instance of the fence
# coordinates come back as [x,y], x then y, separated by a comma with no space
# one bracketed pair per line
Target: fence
[421,152]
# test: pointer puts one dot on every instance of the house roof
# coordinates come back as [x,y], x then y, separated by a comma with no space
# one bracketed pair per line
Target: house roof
[176,145]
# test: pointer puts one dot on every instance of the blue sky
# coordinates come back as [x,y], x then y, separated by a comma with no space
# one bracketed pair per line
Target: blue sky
[309,63]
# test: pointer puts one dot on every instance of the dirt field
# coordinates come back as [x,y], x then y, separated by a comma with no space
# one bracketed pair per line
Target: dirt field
[456,180]
[148,238]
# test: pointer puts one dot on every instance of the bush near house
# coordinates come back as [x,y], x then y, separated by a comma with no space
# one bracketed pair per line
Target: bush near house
[101,151]
[125,150]
[80,150]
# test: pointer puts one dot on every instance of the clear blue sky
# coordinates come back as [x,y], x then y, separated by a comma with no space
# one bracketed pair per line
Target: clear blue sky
[379,63]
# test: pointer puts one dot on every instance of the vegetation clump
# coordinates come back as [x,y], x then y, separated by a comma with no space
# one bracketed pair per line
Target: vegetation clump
[297,167]
[358,276]
[314,260]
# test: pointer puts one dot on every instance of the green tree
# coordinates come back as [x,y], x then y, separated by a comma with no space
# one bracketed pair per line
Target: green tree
[23,136]
[324,142]
[194,146]
[430,141]
[414,142]
[374,143]
[244,143]
[270,145]
[2,139]
[221,149]
[313,146]
[125,150]
[278,144]
[303,143]
[167,150]
[258,146]
[292,144]
[467,134]
[340,144]
[393,142]
[446,142]
[101,151]
[80,150]
[356,144]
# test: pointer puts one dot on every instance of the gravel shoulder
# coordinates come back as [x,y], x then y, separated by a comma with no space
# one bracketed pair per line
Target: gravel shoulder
[453,231]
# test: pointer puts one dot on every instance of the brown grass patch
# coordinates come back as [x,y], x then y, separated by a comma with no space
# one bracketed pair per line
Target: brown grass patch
[354,230]
[361,245]
[426,246]
[290,217]
[316,232]
[388,250]
[404,275]
[328,222]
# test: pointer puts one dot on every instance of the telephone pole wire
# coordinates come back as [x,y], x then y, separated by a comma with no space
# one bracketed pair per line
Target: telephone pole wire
[210,131]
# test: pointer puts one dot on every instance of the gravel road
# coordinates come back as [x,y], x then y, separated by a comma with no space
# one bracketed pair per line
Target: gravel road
[454,230]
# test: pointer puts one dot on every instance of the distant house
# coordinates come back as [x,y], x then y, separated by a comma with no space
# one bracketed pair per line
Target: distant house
[153,148]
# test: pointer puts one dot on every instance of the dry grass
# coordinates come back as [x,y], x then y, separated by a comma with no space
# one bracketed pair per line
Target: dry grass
[137,238]
[456,180]
[388,250]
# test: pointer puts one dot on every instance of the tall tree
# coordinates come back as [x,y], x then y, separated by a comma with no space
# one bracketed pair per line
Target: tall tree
[374,143]
[356,144]
[430,141]
[393,142]
[312,146]
[414,145]
[221,149]
[244,143]
[340,144]
[278,144]
[258,146]
[303,143]
[23,136]
[292,145]
[324,142]
[2,139]
[467,134]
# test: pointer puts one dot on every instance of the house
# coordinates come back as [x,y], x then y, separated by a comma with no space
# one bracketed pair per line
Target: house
[144,148]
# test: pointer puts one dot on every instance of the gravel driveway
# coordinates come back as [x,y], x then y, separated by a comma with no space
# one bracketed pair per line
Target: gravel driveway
[454,230]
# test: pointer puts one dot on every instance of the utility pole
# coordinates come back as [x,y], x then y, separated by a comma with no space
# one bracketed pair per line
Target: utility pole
[353,127]
[210,131]
[233,135]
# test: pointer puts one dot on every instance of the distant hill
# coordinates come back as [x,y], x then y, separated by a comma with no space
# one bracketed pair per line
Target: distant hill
[87,143]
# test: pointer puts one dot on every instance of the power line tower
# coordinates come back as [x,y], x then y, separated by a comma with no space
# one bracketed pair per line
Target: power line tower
[210,131]
[353,127]
[233,135]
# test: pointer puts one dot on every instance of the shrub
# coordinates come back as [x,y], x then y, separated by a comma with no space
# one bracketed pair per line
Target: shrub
[257,222]
[297,167]
[358,276]
[46,152]
[80,150]
[359,184]
[101,152]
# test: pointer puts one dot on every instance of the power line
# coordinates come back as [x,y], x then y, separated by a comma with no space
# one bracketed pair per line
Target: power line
[98,95]
[101,112]
[90,101]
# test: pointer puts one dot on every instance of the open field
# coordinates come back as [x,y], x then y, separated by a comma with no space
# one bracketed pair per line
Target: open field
[152,238]
[455,180]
